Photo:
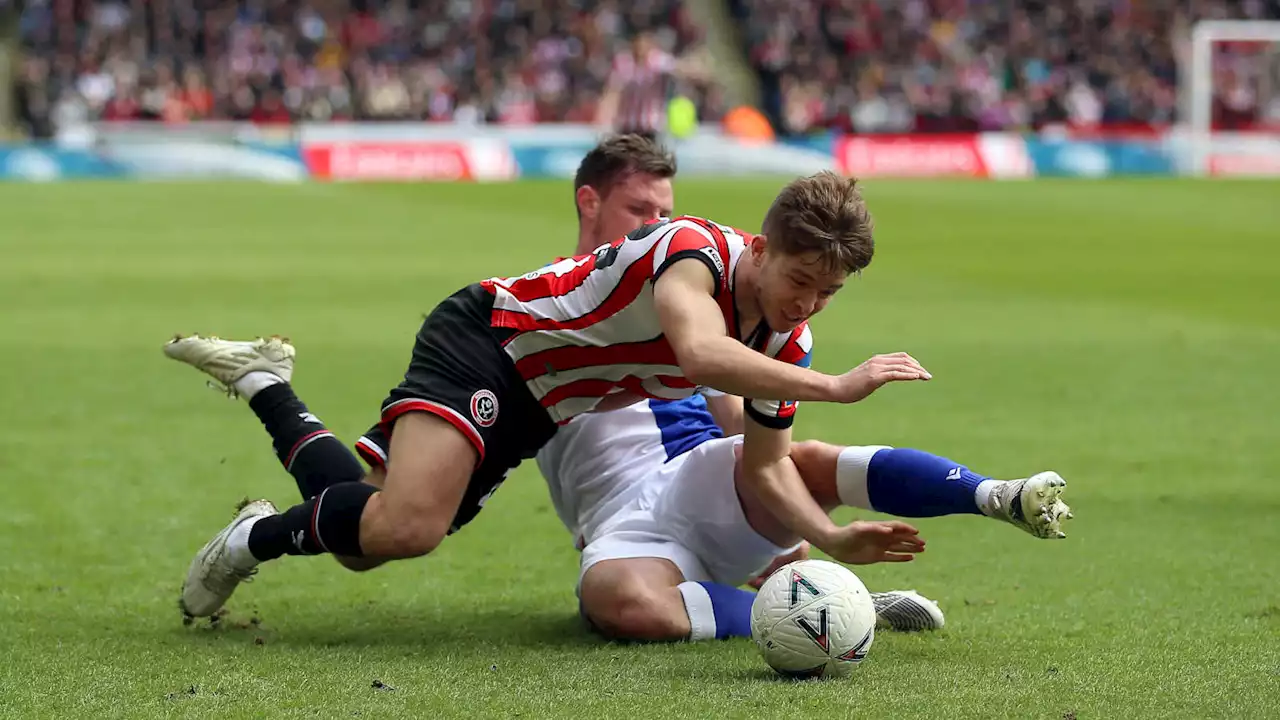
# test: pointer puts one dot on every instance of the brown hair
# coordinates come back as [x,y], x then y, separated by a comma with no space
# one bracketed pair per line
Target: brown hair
[621,155]
[823,213]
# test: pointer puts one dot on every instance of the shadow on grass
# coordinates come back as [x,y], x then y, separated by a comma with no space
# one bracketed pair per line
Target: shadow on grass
[391,627]
[765,674]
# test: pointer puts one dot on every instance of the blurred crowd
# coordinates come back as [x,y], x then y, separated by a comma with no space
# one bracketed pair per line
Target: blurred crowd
[969,65]
[849,65]
[279,61]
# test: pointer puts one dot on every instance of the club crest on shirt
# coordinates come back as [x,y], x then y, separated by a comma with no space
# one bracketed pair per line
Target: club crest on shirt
[484,408]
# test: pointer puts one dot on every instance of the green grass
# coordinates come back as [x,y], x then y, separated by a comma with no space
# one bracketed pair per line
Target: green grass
[1126,334]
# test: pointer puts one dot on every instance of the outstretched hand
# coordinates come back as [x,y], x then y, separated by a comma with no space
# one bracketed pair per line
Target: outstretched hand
[868,377]
[867,542]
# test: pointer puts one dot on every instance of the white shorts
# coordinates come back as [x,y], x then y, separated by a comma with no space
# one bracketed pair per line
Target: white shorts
[695,521]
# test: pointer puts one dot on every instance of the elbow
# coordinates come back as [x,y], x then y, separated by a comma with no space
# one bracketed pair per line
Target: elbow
[733,425]
[766,468]
[758,476]
[695,365]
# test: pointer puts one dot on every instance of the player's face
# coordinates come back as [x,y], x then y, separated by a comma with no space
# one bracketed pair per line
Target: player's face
[793,288]
[635,200]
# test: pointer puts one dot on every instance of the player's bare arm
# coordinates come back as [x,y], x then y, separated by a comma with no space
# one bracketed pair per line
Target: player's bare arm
[694,325]
[727,411]
[770,474]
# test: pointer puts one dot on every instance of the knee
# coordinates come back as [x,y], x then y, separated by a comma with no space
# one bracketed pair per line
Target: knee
[817,462]
[359,564]
[417,537]
[639,614]
[807,454]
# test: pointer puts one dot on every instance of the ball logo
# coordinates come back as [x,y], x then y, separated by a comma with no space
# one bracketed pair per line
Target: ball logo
[801,585]
[484,408]
[858,652]
[817,632]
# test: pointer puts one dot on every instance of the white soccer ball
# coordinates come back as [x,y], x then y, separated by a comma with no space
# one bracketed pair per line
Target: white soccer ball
[813,618]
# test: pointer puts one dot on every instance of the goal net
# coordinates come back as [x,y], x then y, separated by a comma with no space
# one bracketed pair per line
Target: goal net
[1234,99]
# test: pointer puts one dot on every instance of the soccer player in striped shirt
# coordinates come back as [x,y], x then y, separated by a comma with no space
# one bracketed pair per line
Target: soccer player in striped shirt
[428,401]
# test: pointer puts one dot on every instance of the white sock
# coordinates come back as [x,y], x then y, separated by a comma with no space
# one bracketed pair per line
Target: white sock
[702,616]
[982,494]
[238,544]
[851,475]
[254,381]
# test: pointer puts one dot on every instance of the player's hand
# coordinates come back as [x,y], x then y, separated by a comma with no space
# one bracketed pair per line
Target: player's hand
[800,553]
[865,379]
[867,542]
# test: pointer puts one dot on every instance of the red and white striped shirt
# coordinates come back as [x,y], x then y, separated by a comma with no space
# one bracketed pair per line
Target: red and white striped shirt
[587,328]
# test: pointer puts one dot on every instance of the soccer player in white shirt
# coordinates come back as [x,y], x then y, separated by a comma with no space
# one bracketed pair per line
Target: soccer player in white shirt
[654,496]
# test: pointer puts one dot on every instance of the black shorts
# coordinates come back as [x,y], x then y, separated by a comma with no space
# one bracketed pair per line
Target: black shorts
[460,372]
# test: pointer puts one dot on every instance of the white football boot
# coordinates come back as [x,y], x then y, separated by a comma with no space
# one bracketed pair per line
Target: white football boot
[213,577]
[906,611]
[226,361]
[1033,504]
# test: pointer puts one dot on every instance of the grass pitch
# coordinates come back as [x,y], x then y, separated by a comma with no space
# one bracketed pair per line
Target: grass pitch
[1126,334]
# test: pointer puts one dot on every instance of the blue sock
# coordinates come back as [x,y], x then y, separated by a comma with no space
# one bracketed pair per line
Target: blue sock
[717,611]
[913,483]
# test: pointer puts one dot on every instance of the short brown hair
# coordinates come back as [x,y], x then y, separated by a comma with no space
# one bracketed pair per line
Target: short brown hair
[620,155]
[823,213]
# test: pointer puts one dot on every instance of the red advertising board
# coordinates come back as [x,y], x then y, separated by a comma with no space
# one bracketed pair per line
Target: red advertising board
[388,161]
[1244,165]
[911,156]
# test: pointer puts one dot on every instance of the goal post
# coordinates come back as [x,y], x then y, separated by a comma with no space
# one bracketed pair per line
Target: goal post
[1211,151]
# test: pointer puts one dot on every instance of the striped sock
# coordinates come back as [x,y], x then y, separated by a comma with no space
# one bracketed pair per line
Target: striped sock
[307,449]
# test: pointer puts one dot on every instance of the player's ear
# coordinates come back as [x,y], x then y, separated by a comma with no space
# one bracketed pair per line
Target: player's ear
[758,245]
[588,201]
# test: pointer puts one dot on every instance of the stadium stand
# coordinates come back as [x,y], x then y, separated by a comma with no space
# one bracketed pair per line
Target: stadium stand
[278,61]
[968,65]
[866,66]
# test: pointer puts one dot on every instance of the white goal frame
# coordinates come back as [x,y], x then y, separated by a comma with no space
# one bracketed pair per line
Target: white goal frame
[1204,35]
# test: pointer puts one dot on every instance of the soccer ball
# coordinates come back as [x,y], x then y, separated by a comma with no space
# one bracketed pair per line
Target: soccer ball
[813,618]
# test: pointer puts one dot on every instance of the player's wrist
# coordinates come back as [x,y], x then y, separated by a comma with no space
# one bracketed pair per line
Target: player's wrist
[823,537]
[822,387]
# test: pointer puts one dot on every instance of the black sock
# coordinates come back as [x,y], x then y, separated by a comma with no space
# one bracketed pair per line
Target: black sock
[308,450]
[327,523]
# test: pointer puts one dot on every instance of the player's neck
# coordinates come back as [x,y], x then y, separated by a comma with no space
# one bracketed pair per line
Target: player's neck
[744,300]
[587,240]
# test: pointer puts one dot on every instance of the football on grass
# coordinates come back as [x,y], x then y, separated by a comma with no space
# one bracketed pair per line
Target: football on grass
[813,618]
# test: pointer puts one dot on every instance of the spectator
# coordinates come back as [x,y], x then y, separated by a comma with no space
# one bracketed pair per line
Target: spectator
[276,61]
[642,81]
[852,65]
[963,65]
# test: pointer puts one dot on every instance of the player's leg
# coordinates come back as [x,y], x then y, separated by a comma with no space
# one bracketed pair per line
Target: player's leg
[697,548]
[445,417]
[639,585]
[425,485]
[672,573]
[431,467]
[635,599]
[912,483]
[900,610]
[377,477]
[259,371]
